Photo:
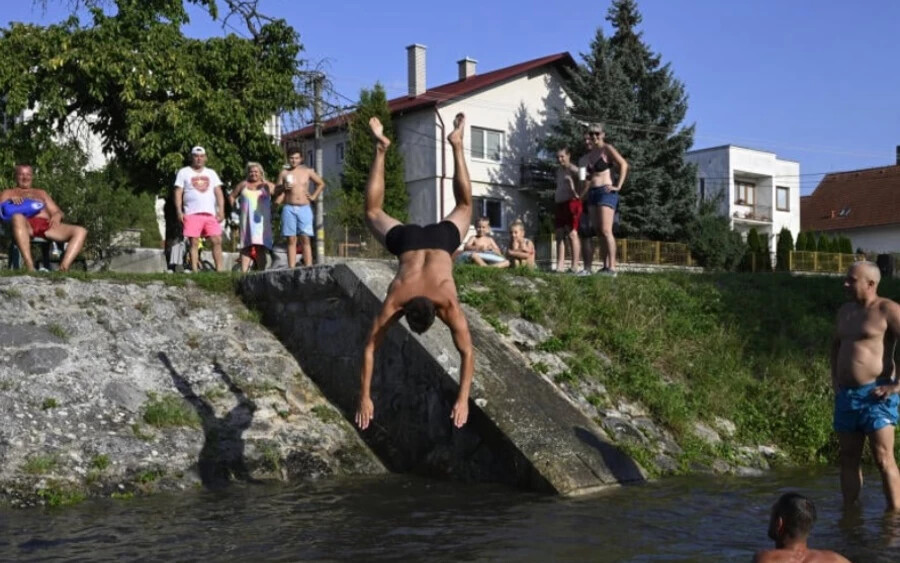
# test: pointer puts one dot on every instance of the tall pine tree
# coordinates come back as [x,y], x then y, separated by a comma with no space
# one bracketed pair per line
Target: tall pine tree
[623,84]
[361,150]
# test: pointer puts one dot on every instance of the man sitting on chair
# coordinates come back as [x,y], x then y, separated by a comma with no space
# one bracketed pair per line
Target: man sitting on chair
[47,223]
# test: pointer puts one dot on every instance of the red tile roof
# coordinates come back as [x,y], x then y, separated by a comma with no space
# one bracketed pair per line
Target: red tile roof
[444,93]
[850,200]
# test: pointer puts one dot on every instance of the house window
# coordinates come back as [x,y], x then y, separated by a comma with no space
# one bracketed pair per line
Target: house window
[745,192]
[702,189]
[487,144]
[339,151]
[782,198]
[490,208]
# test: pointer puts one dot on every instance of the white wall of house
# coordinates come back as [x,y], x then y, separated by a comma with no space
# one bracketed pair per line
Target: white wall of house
[521,109]
[884,239]
[725,168]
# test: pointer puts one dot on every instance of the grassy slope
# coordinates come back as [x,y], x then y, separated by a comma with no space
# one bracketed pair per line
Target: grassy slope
[752,348]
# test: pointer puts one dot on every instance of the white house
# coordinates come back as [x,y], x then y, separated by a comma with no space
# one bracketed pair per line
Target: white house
[757,189]
[508,112]
[862,205]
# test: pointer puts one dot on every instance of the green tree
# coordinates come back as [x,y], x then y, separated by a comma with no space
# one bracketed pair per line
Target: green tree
[846,246]
[823,244]
[624,84]
[812,242]
[800,243]
[133,78]
[711,240]
[784,248]
[753,243]
[358,159]
[97,200]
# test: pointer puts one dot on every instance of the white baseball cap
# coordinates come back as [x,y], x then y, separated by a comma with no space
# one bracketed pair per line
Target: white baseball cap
[198,150]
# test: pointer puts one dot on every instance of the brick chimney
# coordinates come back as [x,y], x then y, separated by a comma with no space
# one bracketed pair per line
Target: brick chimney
[415,60]
[467,69]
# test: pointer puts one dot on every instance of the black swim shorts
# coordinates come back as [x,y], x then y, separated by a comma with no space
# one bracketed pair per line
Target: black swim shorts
[440,236]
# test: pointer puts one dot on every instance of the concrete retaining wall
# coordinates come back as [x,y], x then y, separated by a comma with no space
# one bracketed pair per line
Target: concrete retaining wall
[521,430]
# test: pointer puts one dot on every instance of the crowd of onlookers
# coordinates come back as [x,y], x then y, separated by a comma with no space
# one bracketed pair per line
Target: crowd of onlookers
[198,212]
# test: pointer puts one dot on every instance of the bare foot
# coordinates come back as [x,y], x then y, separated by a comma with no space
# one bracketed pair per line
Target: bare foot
[456,136]
[378,132]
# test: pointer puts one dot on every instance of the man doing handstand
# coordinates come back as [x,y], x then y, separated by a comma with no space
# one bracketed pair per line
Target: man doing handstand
[423,286]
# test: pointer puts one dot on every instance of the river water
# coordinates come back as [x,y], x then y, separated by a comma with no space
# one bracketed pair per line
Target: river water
[398,517]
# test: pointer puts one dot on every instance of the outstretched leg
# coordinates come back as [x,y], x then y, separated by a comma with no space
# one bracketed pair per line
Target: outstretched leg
[378,221]
[461,215]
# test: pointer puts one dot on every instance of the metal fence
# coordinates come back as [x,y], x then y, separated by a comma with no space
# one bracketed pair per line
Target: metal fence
[629,251]
[825,262]
[637,251]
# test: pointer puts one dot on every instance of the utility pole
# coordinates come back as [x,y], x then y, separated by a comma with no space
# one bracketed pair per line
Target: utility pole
[317,144]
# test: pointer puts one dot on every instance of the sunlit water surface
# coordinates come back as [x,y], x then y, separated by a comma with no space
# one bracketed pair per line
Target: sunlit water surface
[694,518]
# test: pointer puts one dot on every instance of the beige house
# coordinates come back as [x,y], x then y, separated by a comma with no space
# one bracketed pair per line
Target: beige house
[508,113]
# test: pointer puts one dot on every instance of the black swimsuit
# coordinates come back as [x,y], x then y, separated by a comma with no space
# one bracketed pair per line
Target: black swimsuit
[439,236]
[598,166]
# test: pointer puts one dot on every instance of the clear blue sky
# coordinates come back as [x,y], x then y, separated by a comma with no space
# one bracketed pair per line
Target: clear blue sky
[812,80]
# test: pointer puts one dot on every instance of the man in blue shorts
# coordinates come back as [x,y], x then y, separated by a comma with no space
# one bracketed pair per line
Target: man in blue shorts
[865,383]
[297,213]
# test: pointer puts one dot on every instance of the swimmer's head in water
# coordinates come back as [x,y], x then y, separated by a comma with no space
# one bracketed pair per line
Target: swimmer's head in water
[419,313]
[793,516]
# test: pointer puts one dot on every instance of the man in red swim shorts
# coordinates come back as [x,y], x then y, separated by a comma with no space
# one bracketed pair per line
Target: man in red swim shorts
[46,224]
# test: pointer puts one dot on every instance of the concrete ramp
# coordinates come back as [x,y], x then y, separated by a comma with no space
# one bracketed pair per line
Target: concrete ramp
[521,430]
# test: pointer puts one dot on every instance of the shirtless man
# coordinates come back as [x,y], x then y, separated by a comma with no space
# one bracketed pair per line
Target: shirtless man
[864,382]
[297,213]
[46,224]
[791,522]
[424,283]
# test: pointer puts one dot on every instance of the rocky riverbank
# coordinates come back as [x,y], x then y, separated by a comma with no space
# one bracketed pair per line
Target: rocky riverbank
[111,388]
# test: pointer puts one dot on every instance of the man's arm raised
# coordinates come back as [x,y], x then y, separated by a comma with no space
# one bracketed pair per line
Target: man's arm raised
[459,328]
[390,312]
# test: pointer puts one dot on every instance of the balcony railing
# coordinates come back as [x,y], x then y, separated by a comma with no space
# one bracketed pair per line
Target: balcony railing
[756,213]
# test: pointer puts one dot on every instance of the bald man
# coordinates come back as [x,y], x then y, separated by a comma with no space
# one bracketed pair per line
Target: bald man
[47,223]
[864,382]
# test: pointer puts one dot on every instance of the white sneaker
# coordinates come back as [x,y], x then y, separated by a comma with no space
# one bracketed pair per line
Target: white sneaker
[583,273]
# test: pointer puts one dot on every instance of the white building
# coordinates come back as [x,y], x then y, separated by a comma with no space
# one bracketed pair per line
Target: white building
[508,112]
[757,189]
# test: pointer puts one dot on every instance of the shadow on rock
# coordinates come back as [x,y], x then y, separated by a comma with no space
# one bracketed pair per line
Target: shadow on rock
[222,456]
[620,464]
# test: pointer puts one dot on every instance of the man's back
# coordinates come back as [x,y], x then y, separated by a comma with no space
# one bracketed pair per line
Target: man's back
[798,556]
[427,273]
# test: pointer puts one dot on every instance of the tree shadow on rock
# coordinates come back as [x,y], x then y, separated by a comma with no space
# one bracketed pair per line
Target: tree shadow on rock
[620,464]
[222,456]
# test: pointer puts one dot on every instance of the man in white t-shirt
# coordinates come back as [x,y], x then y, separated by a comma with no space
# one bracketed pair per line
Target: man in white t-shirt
[200,205]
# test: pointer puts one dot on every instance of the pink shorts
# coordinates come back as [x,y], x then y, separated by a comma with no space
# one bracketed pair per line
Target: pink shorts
[201,225]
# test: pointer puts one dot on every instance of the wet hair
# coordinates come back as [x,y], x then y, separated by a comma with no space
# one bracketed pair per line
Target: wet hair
[564,149]
[797,513]
[517,224]
[295,150]
[483,219]
[419,313]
